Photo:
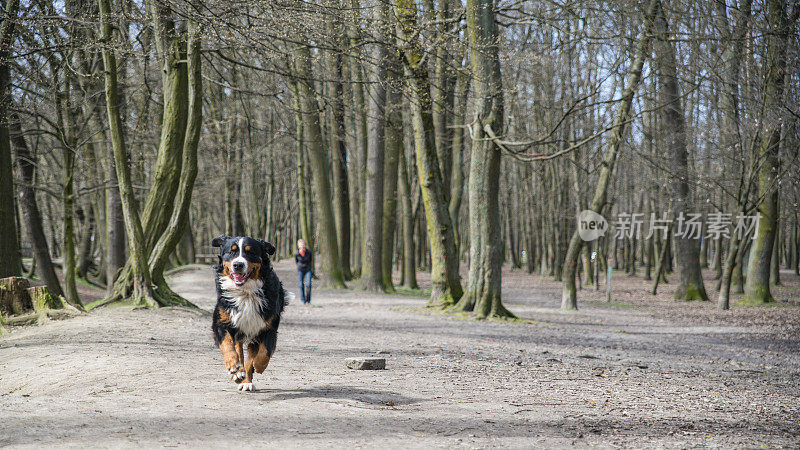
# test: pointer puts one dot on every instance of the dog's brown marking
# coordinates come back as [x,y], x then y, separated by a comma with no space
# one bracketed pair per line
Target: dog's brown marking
[229,353]
[234,247]
[252,350]
[239,351]
[256,271]
[247,248]
[226,268]
[262,359]
[224,317]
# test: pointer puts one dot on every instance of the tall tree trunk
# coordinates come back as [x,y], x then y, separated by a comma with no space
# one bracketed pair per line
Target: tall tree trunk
[30,208]
[717,265]
[141,290]
[171,45]
[371,261]
[328,248]
[186,248]
[775,263]
[409,256]
[180,215]
[9,246]
[485,237]
[360,120]
[85,253]
[687,251]
[341,193]
[302,179]
[569,299]
[445,280]
[730,140]
[757,289]
[394,146]
[723,301]
[65,114]
[112,222]
[738,270]
[460,146]
[442,91]
[663,256]
[115,223]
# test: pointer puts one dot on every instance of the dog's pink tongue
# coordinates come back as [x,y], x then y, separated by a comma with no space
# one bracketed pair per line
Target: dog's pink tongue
[238,277]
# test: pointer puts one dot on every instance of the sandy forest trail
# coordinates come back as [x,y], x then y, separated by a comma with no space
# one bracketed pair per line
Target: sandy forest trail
[608,375]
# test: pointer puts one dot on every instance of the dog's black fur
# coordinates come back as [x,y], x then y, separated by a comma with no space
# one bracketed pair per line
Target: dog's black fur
[271,296]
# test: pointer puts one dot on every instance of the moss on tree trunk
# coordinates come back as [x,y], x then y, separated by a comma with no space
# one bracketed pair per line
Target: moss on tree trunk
[445,281]
[757,289]
[42,299]
[140,290]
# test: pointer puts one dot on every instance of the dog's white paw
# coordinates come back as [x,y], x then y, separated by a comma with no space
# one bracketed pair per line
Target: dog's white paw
[236,373]
[247,387]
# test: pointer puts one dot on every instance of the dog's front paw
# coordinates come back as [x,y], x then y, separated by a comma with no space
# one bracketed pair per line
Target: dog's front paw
[237,376]
[233,367]
[247,387]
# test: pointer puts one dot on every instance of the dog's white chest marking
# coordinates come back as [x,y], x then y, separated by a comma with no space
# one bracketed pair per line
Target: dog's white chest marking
[247,298]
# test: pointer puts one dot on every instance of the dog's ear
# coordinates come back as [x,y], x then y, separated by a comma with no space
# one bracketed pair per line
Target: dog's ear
[269,248]
[217,241]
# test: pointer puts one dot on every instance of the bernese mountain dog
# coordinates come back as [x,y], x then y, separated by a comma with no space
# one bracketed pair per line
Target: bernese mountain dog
[250,299]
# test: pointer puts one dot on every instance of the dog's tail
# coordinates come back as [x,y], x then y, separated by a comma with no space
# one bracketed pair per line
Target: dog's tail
[287,297]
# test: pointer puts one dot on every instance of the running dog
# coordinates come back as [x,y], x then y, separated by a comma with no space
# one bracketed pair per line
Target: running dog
[250,299]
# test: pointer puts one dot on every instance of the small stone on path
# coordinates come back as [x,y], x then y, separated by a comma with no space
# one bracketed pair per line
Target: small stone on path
[366,363]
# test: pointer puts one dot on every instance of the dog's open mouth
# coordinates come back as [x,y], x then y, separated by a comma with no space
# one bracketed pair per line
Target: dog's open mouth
[240,278]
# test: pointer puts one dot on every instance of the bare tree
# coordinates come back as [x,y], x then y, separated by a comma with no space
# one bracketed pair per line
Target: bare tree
[486,251]
[687,249]
[446,283]
[757,289]
[10,262]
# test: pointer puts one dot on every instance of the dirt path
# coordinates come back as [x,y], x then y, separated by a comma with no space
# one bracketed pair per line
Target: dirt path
[604,376]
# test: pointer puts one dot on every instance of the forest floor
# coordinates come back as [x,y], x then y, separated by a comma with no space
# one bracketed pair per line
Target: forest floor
[640,371]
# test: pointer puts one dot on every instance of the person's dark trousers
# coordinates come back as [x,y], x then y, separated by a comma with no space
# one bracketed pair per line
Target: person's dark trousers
[304,280]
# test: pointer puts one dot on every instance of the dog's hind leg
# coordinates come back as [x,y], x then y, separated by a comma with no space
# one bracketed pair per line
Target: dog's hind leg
[262,359]
[266,346]
[233,362]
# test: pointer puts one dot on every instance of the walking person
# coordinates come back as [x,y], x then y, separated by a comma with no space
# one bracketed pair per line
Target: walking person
[305,268]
